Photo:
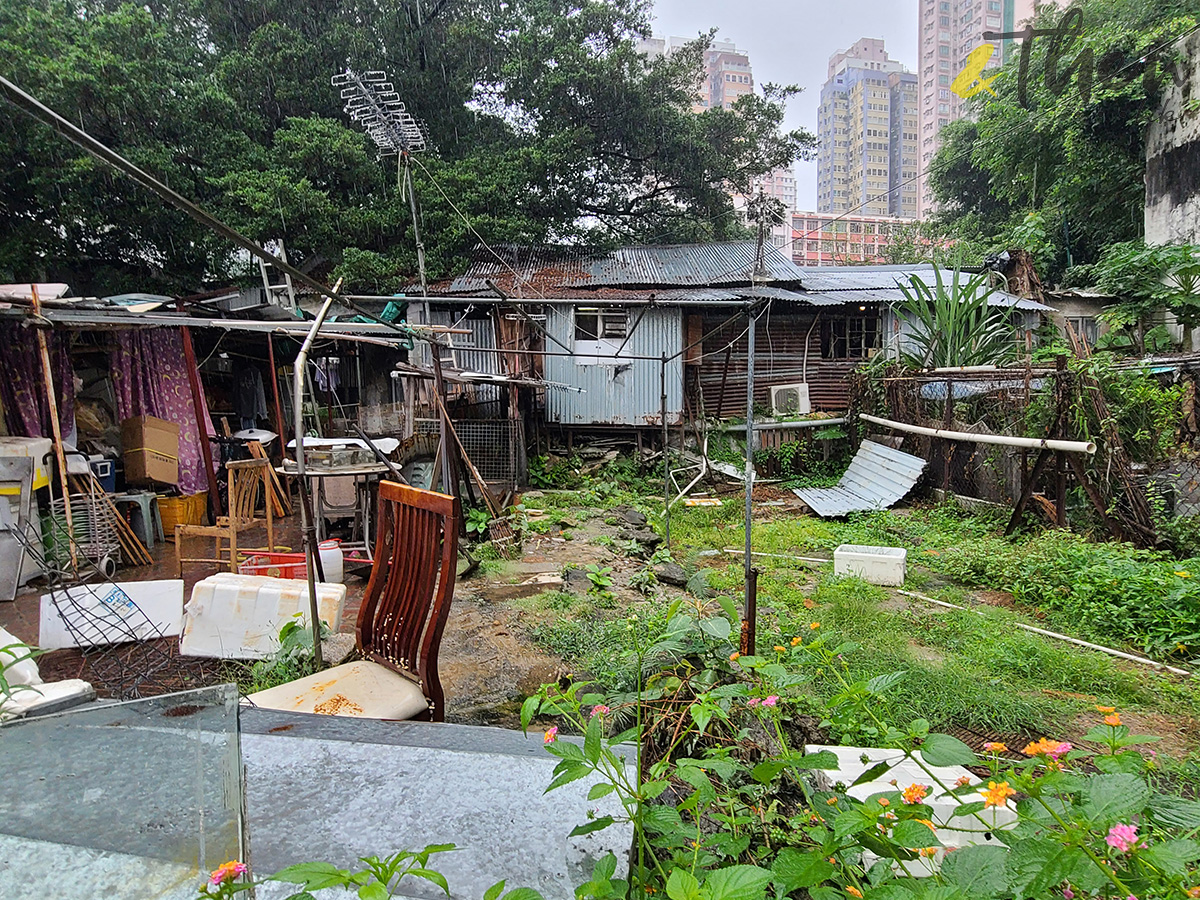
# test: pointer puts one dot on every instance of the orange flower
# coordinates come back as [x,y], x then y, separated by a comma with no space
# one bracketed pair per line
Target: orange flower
[996,794]
[915,793]
[814,626]
[1106,709]
[928,852]
[995,747]
[1047,747]
[963,781]
[853,891]
[1193,892]
[1114,719]
[884,801]
[733,657]
[832,800]
[796,641]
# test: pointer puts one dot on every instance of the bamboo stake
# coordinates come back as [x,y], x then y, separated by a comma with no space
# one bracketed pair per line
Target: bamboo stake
[55,428]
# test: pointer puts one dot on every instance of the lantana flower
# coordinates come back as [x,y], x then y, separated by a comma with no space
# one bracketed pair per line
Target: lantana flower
[1123,838]
[227,871]
[995,747]
[915,793]
[996,794]
[599,710]
[551,735]
[1113,719]
[1047,747]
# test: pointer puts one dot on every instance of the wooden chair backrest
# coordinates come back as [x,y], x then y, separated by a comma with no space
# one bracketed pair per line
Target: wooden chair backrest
[245,478]
[408,598]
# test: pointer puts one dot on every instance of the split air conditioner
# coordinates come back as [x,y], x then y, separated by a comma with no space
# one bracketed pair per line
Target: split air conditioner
[790,400]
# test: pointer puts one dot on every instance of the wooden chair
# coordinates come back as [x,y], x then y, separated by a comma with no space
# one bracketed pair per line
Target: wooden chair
[246,477]
[400,623]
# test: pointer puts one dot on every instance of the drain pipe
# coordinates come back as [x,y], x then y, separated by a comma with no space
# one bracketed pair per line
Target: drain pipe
[308,527]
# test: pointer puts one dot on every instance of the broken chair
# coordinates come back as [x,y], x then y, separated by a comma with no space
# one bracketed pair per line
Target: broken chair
[400,623]
[246,476]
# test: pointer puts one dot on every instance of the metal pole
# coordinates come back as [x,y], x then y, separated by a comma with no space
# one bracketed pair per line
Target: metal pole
[749,567]
[312,558]
[666,459]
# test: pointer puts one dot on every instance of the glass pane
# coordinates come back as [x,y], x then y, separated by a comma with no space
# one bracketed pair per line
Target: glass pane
[137,799]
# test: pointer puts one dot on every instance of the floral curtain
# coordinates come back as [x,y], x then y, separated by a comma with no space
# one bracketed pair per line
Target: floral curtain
[150,378]
[23,387]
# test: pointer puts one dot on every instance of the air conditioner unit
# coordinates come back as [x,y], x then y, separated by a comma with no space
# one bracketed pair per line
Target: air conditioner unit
[790,400]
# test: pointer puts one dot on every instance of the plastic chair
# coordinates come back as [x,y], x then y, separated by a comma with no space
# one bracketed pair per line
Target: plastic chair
[246,476]
[401,621]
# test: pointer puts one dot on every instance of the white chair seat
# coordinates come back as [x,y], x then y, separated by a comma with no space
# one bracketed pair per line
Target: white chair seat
[362,689]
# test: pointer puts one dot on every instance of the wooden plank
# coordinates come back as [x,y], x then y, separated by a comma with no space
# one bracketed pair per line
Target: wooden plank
[279,499]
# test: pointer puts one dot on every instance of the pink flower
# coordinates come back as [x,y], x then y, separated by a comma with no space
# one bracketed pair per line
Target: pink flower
[600,710]
[551,735]
[1123,838]
[1068,894]
[1061,750]
[771,701]
[227,871]
[753,702]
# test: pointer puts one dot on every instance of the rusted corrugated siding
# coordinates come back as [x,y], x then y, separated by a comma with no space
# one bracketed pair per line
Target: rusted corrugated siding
[779,360]
[625,394]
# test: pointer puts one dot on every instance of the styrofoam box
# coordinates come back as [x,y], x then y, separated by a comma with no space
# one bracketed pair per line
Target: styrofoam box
[878,565]
[105,613]
[233,616]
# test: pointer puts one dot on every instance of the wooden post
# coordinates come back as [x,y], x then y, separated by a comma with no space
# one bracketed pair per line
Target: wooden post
[724,380]
[55,427]
[750,623]
[1060,466]
[189,355]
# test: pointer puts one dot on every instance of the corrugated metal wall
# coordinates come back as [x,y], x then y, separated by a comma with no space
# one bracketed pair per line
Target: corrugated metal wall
[779,342]
[627,394]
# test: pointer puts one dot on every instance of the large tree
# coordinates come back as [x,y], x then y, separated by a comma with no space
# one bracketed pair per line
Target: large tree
[1069,146]
[544,123]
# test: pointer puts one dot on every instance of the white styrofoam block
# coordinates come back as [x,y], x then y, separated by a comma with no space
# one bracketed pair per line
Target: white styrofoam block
[878,565]
[953,831]
[56,694]
[234,616]
[108,613]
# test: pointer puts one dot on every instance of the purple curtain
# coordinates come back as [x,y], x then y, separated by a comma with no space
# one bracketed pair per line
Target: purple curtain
[150,378]
[23,387]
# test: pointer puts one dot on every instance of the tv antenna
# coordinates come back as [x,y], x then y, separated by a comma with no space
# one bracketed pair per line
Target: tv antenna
[372,102]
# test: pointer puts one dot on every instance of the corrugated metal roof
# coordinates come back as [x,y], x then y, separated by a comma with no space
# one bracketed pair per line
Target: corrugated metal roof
[855,278]
[877,478]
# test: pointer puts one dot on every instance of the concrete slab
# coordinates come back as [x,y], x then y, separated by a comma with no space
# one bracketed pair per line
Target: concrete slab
[336,789]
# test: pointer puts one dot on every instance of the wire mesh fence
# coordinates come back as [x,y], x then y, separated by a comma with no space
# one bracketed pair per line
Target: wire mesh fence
[493,445]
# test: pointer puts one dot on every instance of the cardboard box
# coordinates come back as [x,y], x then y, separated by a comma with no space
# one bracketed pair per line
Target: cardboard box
[151,448]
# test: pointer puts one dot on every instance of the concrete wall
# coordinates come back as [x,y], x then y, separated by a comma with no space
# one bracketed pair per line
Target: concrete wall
[1173,155]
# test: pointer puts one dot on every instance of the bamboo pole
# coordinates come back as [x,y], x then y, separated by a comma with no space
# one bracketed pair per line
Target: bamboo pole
[55,427]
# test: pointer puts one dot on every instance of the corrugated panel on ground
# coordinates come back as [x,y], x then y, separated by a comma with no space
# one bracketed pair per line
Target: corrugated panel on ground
[877,478]
[629,393]
[779,360]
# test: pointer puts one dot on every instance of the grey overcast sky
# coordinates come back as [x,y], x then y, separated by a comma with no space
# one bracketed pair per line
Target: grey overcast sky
[791,42]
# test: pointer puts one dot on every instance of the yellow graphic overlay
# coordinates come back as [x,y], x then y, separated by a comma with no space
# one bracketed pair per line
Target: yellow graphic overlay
[968,83]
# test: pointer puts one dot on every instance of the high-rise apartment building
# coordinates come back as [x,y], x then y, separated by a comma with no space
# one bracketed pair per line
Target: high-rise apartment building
[949,30]
[727,72]
[867,126]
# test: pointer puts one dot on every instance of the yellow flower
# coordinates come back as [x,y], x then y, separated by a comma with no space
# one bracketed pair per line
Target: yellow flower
[1183,574]
[1106,709]
[1114,719]
[779,649]
[995,747]
[796,641]
[853,891]
[814,626]
[996,794]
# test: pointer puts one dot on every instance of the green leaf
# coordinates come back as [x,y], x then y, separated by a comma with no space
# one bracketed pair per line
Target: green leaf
[568,770]
[682,886]
[603,789]
[528,710]
[594,825]
[881,683]
[728,607]
[1173,856]
[825,759]
[943,750]
[1108,798]
[826,893]
[494,892]
[793,869]
[313,875]
[765,772]
[373,891]
[914,835]
[652,789]
[591,740]
[430,875]
[1175,812]
[968,809]
[737,883]
[717,627]
[662,819]
[605,868]
[1037,864]
[978,871]
[872,773]
[523,893]
[852,821]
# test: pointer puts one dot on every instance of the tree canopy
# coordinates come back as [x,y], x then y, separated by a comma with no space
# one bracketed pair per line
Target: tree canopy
[1073,153]
[544,123]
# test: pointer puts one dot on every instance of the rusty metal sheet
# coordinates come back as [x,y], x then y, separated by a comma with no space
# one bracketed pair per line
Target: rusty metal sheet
[877,478]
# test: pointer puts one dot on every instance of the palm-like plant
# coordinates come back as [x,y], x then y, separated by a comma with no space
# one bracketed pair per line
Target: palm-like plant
[952,324]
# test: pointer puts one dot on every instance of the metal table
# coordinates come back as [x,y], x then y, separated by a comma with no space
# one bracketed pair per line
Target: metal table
[362,510]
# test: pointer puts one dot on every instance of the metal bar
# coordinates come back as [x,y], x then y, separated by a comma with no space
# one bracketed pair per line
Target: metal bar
[750,623]
[507,301]
[749,567]
[786,426]
[312,557]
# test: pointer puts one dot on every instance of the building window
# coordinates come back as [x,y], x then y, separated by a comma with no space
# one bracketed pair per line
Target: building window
[1085,327]
[599,334]
[853,337]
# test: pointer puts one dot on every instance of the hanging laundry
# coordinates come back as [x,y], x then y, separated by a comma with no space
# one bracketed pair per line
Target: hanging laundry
[249,397]
[326,373]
